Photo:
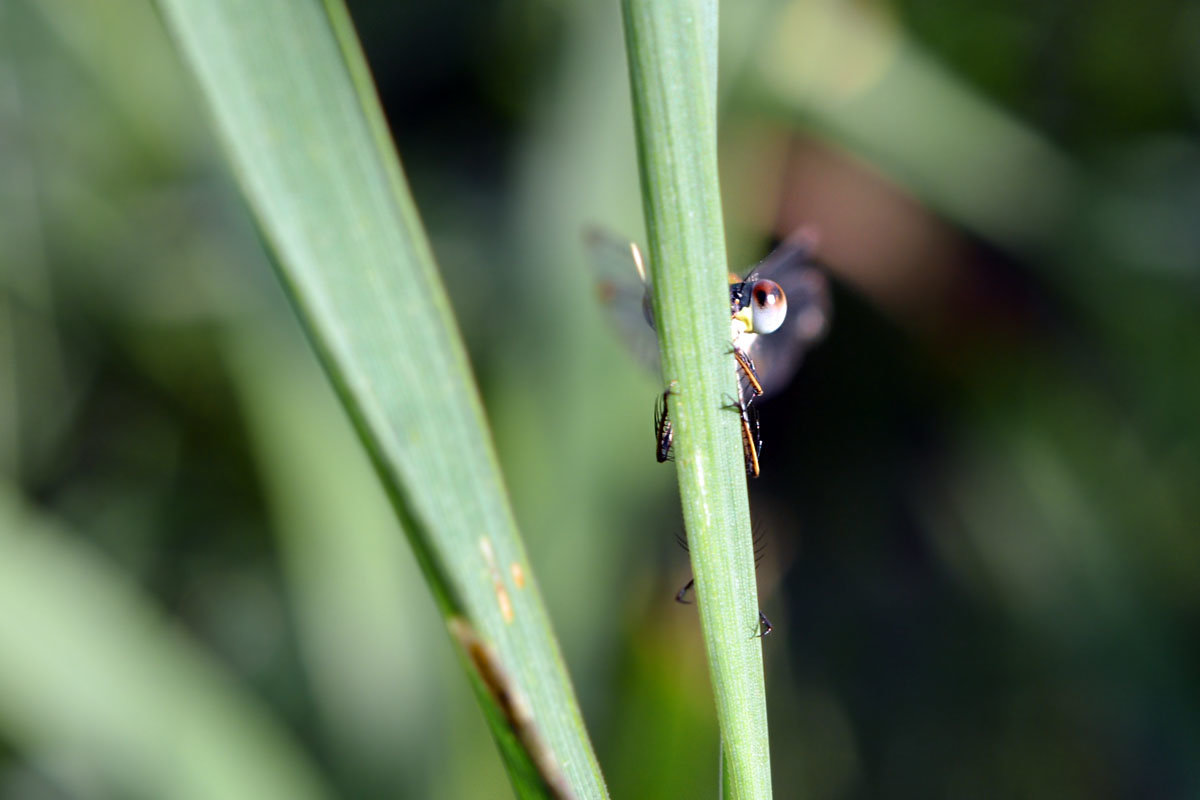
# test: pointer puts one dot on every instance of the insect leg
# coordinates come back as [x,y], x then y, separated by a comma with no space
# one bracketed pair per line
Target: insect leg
[664,431]
[681,595]
[748,383]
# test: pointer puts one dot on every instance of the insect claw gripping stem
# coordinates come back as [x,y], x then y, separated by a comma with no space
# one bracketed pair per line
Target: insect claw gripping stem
[681,595]
[764,624]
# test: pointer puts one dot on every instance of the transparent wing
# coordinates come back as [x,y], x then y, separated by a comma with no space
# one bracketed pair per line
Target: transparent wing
[798,248]
[778,355]
[622,286]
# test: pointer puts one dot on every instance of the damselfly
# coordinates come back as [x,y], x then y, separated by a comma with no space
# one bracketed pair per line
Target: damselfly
[778,311]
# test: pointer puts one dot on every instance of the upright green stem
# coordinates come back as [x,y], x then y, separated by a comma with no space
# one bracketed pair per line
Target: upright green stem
[670,46]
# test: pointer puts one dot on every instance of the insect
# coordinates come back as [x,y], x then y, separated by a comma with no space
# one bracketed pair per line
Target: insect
[778,311]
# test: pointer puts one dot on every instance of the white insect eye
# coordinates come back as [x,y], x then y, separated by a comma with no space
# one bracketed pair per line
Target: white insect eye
[768,306]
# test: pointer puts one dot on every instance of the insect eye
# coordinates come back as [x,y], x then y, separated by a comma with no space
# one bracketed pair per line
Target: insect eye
[768,305]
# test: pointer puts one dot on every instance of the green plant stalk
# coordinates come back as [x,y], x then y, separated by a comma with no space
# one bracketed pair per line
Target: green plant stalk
[667,43]
[293,102]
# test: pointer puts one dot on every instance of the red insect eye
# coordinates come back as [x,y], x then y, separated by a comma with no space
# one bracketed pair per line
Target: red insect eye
[769,306]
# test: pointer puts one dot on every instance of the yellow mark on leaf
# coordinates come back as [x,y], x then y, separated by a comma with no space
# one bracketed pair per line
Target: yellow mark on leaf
[489,555]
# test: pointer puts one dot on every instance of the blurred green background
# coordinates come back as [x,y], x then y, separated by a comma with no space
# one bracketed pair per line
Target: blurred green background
[979,496]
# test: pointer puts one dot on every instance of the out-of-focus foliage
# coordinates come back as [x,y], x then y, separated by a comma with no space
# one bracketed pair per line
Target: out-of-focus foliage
[983,547]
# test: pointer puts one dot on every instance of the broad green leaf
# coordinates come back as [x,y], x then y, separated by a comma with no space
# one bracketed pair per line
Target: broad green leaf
[293,101]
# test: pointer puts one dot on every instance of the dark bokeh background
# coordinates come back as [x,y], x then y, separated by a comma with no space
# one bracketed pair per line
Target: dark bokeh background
[979,496]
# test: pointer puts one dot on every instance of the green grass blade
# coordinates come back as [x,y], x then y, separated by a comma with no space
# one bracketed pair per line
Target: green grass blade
[293,102]
[676,132]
